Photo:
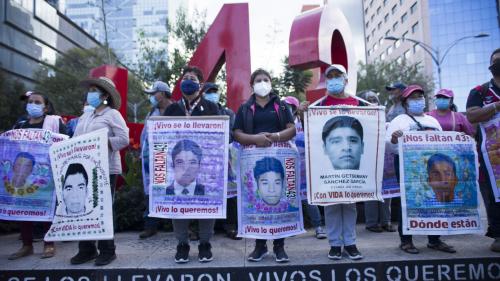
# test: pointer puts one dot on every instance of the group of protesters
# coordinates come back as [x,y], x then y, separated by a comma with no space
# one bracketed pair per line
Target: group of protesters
[261,121]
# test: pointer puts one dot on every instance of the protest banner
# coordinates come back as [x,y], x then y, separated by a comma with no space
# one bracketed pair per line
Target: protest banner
[439,189]
[188,164]
[233,170]
[300,143]
[26,186]
[490,148]
[81,174]
[344,154]
[390,185]
[269,205]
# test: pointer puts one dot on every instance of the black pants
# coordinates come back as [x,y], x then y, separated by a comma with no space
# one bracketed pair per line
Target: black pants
[433,239]
[276,242]
[492,207]
[104,246]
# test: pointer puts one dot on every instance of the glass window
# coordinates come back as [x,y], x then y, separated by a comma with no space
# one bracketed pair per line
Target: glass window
[404,17]
[372,17]
[399,60]
[386,17]
[382,56]
[405,34]
[367,23]
[387,32]
[415,48]
[401,2]
[378,10]
[394,26]
[389,50]
[385,2]
[413,8]
[375,47]
[379,25]
[371,3]
[366,11]
[380,41]
[414,28]
[393,10]
[368,38]
[407,54]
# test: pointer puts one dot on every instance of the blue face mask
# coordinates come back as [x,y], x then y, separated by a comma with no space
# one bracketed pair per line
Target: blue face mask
[416,107]
[93,99]
[335,85]
[442,103]
[35,110]
[153,101]
[189,87]
[213,97]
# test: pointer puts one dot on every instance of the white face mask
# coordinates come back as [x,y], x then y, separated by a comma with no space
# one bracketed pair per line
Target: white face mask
[262,89]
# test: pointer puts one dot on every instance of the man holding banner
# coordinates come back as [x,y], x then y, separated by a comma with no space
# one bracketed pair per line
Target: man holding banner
[342,133]
[483,105]
[186,161]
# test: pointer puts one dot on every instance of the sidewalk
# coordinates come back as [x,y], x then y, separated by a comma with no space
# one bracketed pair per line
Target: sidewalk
[305,251]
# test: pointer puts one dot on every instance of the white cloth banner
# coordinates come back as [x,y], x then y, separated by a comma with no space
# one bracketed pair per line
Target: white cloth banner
[188,158]
[345,148]
[269,205]
[439,189]
[81,174]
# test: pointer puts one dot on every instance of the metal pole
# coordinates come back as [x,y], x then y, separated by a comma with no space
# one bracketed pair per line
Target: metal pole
[105,31]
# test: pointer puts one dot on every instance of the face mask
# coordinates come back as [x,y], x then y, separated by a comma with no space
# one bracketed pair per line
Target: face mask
[189,87]
[93,99]
[495,68]
[213,97]
[335,85]
[88,108]
[416,107]
[153,101]
[35,110]
[262,89]
[442,103]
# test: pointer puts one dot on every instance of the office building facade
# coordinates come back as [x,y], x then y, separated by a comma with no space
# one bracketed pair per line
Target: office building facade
[437,23]
[33,34]
[125,19]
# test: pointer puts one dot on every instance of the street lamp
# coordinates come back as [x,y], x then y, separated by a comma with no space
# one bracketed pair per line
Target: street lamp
[435,55]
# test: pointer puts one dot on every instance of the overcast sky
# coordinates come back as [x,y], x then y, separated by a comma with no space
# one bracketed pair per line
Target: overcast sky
[271,21]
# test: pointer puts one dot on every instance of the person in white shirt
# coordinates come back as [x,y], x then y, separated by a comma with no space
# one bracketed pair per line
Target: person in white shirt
[414,120]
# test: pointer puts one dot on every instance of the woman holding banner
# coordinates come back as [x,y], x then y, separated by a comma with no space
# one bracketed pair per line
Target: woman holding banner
[447,118]
[103,96]
[262,120]
[41,115]
[414,120]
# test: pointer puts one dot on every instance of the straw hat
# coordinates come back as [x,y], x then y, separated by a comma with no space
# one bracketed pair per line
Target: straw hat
[105,84]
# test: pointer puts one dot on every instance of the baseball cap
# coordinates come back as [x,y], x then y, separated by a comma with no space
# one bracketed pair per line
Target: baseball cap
[158,86]
[209,86]
[444,92]
[410,90]
[338,67]
[396,85]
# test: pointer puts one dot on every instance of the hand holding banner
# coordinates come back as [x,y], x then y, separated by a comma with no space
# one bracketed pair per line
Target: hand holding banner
[81,173]
[344,152]
[188,166]
[490,148]
[27,186]
[439,189]
[269,205]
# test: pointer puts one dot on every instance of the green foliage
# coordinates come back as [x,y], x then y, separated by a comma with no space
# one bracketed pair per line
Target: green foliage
[61,81]
[293,82]
[155,63]
[130,200]
[377,75]
[11,108]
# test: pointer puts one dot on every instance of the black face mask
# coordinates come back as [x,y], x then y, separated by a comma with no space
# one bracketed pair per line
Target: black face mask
[495,68]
